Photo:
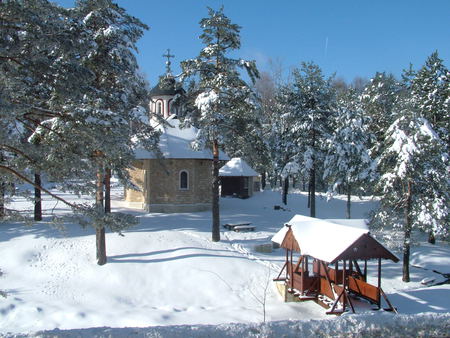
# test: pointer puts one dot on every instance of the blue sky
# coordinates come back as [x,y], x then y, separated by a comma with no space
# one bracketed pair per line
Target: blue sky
[348,37]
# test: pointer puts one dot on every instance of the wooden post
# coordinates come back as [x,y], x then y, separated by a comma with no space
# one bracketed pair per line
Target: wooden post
[344,299]
[287,262]
[292,271]
[365,270]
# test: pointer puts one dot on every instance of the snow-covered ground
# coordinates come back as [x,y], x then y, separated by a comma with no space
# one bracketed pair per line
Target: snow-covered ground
[166,271]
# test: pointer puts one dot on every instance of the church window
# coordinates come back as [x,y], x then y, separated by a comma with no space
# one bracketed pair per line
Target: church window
[184,180]
[159,107]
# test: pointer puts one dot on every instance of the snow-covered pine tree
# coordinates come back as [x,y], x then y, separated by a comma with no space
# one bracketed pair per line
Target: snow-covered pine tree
[222,92]
[379,100]
[429,90]
[281,139]
[48,71]
[314,100]
[430,95]
[414,181]
[109,109]
[39,73]
[348,162]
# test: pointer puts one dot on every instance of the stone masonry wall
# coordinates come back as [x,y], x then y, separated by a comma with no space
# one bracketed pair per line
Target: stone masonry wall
[164,181]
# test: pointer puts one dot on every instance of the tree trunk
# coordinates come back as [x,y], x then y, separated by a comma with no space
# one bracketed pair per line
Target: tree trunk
[2,199]
[285,190]
[107,190]
[215,193]
[309,194]
[312,211]
[349,197]
[431,237]
[100,230]
[407,239]
[2,191]
[37,198]
[263,180]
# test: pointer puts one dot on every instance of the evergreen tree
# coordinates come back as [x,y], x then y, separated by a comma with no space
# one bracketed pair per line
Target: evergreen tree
[222,93]
[39,73]
[70,80]
[348,161]
[313,102]
[414,181]
[379,102]
[116,90]
[430,95]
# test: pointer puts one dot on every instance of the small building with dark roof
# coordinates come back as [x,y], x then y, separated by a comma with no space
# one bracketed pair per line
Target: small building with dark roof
[238,179]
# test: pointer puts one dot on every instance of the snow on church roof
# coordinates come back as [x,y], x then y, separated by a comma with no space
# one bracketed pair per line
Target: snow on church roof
[237,167]
[176,143]
[327,240]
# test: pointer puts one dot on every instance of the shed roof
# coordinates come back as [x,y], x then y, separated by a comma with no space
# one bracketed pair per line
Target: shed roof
[330,241]
[176,143]
[237,167]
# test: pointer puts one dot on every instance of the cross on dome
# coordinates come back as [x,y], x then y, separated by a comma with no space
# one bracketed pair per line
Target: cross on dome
[168,63]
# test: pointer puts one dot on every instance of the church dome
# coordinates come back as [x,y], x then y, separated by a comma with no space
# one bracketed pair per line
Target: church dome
[166,86]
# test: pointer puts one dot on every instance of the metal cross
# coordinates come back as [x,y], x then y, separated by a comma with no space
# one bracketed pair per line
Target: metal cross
[168,63]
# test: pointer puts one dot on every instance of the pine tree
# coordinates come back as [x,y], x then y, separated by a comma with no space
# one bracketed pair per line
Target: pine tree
[39,73]
[379,102]
[430,96]
[348,162]
[116,90]
[414,181]
[222,93]
[70,80]
[313,102]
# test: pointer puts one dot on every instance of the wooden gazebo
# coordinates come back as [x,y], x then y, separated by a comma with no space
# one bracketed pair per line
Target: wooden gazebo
[332,267]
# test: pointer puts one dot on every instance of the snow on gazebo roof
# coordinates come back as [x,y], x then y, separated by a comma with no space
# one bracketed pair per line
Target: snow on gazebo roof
[176,143]
[330,240]
[237,167]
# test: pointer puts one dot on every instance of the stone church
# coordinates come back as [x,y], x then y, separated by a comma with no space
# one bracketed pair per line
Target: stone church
[181,180]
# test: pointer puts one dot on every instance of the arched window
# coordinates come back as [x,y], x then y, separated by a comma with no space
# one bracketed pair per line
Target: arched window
[159,107]
[184,180]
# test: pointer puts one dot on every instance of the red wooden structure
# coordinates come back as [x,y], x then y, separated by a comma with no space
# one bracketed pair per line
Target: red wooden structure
[332,267]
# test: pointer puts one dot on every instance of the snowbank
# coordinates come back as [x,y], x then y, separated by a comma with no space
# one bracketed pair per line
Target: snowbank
[422,325]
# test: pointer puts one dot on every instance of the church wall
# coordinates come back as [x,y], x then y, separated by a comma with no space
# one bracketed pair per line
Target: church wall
[163,185]
[137,175]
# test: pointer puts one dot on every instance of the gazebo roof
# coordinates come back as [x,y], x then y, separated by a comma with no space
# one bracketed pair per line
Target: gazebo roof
[237,167]
[330,241]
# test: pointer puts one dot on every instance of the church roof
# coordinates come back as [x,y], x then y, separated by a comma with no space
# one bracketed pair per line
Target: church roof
[237,167]
[176,143]
[167,85]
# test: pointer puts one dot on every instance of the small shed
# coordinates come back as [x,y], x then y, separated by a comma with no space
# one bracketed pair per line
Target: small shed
[332,267]
[238,179]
